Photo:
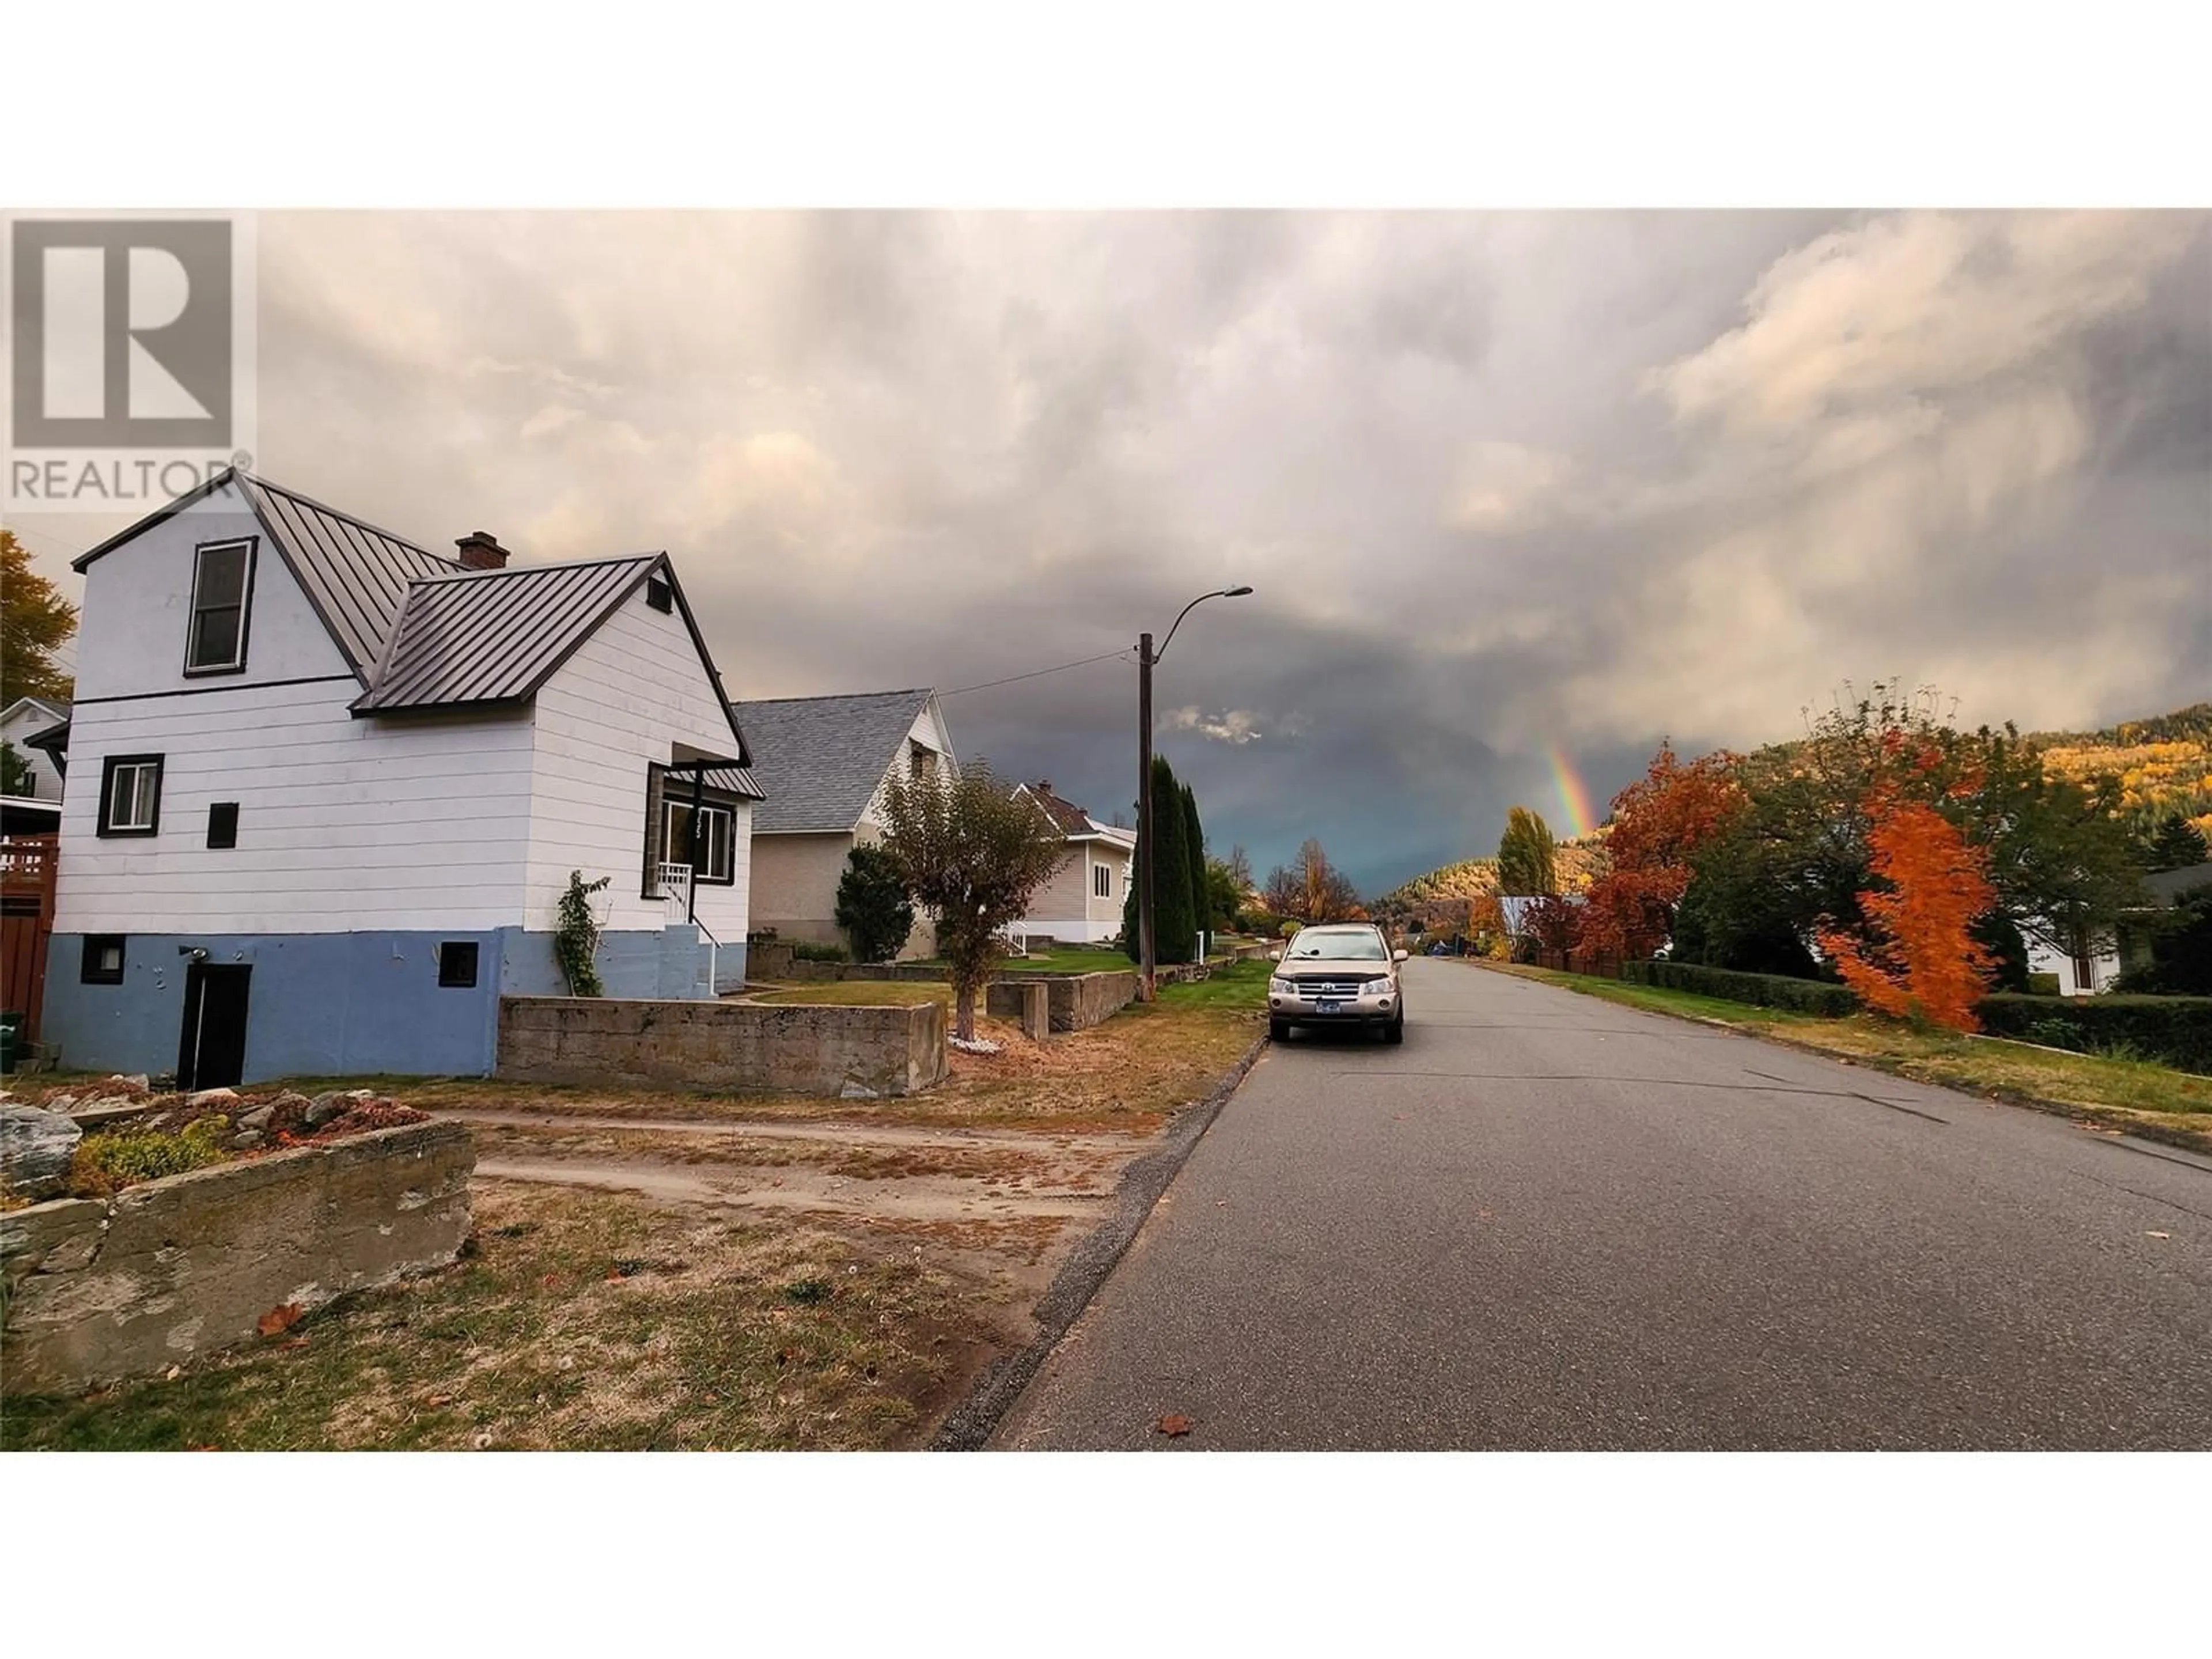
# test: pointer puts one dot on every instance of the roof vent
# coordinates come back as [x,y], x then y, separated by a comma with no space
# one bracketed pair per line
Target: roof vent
[480,551]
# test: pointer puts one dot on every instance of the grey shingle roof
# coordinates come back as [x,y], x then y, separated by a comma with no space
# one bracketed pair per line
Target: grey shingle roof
[820,759]
[2167,886]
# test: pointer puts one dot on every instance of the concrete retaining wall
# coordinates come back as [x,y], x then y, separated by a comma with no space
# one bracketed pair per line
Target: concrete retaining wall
[1077,1001]
[799,1049]
[104,1288]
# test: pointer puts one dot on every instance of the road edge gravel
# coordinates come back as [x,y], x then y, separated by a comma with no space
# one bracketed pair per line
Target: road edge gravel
[972,1423]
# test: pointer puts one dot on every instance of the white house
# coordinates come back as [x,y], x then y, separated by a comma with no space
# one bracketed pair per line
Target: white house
[2099,968]
[823,763]
[1082,903]
[325,789]
[23,721]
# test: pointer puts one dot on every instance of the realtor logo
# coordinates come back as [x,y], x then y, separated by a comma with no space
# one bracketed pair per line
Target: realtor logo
[131,356]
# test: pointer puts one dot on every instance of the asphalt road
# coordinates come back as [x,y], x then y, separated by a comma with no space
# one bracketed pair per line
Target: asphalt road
[1546,1222]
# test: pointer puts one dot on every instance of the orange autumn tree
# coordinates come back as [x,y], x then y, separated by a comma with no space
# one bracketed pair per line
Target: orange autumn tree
[1658,823]
[1916,958]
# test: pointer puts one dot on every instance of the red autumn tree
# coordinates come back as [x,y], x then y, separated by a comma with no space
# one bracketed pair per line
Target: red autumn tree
[1916,958]
[1658,823]
[1555,923]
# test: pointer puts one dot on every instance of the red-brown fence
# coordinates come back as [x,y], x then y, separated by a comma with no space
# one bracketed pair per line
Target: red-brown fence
[27,922]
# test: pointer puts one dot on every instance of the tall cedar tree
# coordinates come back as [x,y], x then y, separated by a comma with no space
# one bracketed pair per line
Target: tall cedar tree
[35,622]
[1915,955]
[1659,823]
[1194,851]
[969,854]
[1174,921]
[1527,862]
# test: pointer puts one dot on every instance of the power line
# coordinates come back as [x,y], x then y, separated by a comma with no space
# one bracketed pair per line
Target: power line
[1037,673]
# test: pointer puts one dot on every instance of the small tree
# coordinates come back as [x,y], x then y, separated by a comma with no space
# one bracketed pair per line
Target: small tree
[970,854]
[1919,958]
[16,777]
[1527,862]
[872,906]
[1175,922]
[576,936]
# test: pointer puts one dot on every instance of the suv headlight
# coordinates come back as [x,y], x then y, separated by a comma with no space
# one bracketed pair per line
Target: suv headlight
[1374,988]
[1281,988]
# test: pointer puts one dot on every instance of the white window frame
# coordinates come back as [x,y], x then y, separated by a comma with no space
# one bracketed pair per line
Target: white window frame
[195,609]
[706,870]
[1102,881]
[143,775]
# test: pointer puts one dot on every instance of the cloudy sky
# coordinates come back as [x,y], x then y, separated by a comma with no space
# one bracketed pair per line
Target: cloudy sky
[1504,483]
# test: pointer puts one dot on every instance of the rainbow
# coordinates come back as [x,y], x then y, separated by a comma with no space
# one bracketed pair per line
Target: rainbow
[1574,793]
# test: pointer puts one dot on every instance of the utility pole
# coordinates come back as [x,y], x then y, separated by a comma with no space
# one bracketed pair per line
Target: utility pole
[1147,982]
[1147,987]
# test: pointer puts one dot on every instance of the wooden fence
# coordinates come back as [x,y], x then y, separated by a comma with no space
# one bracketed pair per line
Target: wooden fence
[27,922]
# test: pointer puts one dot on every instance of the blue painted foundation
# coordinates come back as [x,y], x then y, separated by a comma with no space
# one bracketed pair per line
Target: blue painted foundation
[338,1004]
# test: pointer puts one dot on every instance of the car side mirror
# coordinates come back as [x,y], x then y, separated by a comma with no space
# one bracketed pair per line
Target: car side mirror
[1398,957]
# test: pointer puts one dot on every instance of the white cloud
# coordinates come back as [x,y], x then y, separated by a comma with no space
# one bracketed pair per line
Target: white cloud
[1235,727]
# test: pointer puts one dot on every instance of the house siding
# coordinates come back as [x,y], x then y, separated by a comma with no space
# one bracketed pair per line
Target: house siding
[1068,907]
[629,693]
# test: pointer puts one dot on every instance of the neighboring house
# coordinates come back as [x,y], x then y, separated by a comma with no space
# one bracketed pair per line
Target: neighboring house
[26,724]
[1082,903]
[2130,947]
[823,763]
[326,789]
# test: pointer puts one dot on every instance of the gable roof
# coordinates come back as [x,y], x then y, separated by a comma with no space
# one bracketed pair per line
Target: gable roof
[2167,886]
[1069,819]
[56,709]
[496,635]
[821,759]
[422,631]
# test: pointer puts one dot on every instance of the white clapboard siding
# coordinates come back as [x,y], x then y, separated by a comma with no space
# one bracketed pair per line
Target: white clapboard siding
[630,692]
[344,825]
[137,607]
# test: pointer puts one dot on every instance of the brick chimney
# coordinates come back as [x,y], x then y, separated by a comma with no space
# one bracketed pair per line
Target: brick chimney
[480,551]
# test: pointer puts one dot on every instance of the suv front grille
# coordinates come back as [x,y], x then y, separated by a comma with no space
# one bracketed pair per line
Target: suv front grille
[1330,987]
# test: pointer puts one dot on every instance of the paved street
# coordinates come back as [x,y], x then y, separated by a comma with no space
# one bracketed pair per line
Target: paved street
[1548,1222]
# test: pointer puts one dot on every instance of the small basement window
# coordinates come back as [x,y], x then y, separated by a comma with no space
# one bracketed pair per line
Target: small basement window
[457,963]
[131,795]
[103,959]
[659,594]
[222,824]
[223,582]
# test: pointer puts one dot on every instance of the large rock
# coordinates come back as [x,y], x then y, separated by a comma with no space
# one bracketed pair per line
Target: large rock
[35,1150]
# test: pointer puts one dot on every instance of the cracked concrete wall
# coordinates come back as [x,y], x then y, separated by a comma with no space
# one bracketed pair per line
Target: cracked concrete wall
[790,1047]
[104,1288]
[1079,1001]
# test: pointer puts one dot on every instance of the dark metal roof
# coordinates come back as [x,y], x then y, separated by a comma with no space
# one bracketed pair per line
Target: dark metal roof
[355,574]
[494,636]
[821,759]
[2167,886]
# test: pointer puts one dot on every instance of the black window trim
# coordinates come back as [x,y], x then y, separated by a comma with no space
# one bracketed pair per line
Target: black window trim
[252,545]
[108,767]
[230,839]
[665,784]
[88,970]
[449,974]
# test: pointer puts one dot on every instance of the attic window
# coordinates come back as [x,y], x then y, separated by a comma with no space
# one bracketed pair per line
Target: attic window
[659,594]
[223,585]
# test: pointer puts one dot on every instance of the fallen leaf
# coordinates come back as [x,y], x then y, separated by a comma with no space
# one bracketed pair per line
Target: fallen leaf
[279,1320]
[1176,1424]
[172,1373]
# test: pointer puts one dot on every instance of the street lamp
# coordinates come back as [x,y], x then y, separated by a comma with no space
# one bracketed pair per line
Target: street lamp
[1147,986]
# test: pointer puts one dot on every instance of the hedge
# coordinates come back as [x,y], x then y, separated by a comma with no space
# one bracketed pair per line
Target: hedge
[2173,1030]
[1802,996]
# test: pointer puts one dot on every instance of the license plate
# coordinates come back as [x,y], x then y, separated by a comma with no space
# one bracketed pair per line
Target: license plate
[1327,1005]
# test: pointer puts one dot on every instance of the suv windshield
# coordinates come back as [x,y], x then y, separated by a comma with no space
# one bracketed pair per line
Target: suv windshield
[1339,945]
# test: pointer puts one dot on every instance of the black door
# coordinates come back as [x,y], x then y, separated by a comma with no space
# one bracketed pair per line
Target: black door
[211,1054]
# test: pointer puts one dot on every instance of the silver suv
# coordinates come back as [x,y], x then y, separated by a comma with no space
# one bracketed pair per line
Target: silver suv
[1343,973]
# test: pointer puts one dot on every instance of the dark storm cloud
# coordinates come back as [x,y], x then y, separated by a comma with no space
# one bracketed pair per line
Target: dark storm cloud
[1504,482]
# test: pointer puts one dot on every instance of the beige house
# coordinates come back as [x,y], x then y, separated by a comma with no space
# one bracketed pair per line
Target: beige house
[1082,903]
[823,763]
